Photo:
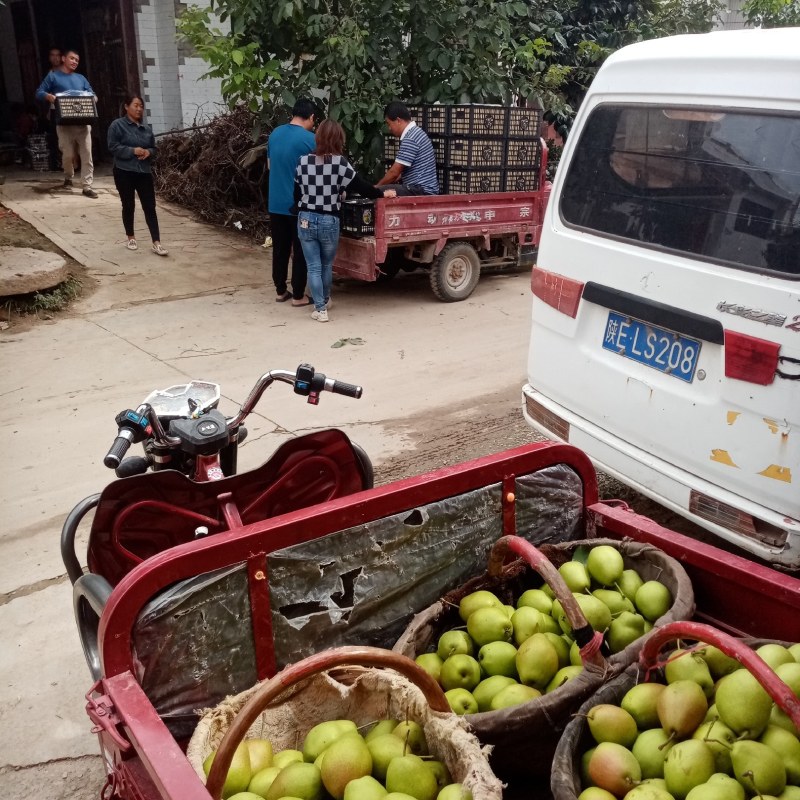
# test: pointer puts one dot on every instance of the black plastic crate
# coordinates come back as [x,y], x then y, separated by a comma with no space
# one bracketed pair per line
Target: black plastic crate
[358,217]
[524,123]
[464,180]
[437,120]
[76,110]
[440,149]
[478,121]
[417,114]
[390,148]
[476,153]
[521,180]
[522,152]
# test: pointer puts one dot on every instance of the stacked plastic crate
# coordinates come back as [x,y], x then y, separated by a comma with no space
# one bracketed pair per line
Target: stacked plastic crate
[38,152]
[480,148]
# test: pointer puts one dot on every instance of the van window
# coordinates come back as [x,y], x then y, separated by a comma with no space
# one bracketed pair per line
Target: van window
[722,185]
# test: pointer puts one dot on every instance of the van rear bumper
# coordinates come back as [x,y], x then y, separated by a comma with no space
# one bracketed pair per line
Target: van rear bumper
[661,481]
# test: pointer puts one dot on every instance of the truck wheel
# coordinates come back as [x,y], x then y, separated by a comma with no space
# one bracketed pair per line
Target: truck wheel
[455,272]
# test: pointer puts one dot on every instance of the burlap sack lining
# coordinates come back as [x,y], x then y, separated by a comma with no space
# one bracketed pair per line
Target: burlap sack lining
[363,695]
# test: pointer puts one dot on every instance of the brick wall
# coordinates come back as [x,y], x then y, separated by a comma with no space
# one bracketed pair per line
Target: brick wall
[174,93]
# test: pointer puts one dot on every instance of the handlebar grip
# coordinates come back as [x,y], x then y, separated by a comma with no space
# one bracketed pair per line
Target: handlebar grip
[118,450]
[348,389]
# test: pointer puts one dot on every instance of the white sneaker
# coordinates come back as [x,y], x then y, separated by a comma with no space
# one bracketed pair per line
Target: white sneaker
[159,250]
[131,244]
[320,316]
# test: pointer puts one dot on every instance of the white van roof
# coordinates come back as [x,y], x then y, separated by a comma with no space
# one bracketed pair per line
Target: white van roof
[762,66]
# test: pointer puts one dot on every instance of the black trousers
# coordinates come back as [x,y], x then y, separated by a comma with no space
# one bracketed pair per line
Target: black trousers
[285,243]
[129,184]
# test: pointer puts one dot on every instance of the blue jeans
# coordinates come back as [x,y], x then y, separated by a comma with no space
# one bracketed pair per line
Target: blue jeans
[319,238]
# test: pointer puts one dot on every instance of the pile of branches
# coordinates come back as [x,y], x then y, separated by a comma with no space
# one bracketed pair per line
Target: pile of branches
[218,171]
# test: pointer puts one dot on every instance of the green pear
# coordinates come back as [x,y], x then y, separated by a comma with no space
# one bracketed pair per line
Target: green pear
[286,757]
[239,772]
[684,665]
[790,675]
[688,764]
[758,767]
[398,796]
[651,748]
[461,701]
[509,610]
[324,734]
[595,793]
[794,649]
[383,749]
[787,747]
[480,599]
[260,754]
[719,738]
[640,701]
[413,735]
[454,791]
[440,772]
[498,658]
[624,630]
[460,672]
[775,654]
[562,645]
[365,788]
[777,716]
[262,780]
[610,723]
[629,582]
[575,576]
[605,565]
[681,708]
[743,704]
[596,612]
[561,677]
[454,642]
[489,624]
[719,664]
[586,757]
[251,796]
[514,695]
[345,760]
[734,790]
[716,790]
[537,661]
[616,601]
[298,779]
[711,714]
[535,598]
[575,657]
[410,775]
[790,793]
[526,621]
[431,663]
[653,600]
[380,727]
[488,688]
[648,790]
[614,768]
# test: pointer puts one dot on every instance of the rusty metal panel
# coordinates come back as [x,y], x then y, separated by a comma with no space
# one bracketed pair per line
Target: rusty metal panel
[355,258]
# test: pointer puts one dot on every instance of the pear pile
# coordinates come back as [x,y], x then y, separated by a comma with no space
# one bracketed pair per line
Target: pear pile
[709,732]
[390,762]
[509,655]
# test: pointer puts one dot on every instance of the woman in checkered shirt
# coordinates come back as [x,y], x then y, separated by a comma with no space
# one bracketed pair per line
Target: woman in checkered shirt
[320,179]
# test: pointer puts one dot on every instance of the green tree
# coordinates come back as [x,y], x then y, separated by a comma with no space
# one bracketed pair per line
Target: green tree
[772,13]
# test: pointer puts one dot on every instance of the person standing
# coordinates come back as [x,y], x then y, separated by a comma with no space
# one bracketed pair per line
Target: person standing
[414,169]
[285,146]
[322,176]
[65,79]
[54,159]
[133,146]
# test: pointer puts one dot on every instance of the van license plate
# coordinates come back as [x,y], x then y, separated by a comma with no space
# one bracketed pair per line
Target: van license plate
[658,348]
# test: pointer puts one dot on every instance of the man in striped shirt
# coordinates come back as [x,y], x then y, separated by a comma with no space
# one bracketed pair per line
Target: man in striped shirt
[414,169]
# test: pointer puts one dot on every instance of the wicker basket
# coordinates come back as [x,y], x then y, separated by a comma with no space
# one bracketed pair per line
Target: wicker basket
[525,736]
[284,708]
[565,779]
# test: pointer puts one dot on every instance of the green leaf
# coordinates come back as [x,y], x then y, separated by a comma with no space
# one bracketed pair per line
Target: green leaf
[238,57]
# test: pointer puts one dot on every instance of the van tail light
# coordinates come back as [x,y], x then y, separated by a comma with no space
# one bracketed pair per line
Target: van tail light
[734,520]
[748,358]
[547,419]
[563,294]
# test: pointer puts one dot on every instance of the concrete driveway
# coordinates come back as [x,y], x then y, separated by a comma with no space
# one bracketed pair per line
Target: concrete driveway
[207,311]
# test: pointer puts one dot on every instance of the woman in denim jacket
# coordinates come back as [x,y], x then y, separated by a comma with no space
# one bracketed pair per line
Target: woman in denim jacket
[133,146]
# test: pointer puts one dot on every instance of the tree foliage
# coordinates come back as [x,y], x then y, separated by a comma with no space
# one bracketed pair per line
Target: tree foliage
[354,56]
[772,13]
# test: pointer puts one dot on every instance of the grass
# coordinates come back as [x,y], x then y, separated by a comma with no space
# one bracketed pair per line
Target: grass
[46,302]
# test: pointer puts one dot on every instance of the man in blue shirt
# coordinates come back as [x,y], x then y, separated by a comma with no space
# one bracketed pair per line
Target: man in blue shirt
[66,79]
[414,169]
[285,146]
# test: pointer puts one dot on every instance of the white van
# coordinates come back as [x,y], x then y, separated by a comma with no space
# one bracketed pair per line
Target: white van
[666,297]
